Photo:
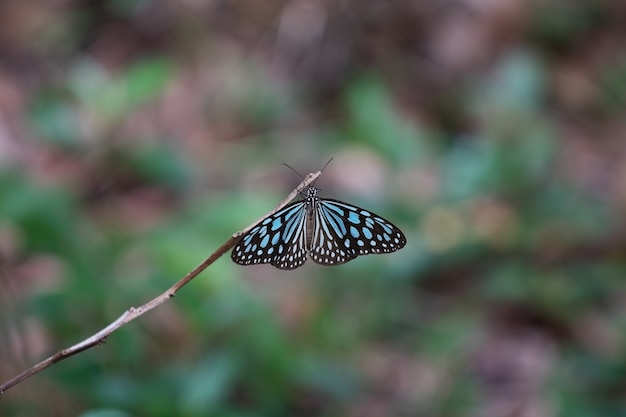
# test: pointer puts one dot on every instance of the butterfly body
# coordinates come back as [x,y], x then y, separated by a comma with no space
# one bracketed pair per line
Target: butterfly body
[330,231]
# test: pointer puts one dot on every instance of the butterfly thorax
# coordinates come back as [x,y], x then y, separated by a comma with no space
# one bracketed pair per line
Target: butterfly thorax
[311,206]
[311,199]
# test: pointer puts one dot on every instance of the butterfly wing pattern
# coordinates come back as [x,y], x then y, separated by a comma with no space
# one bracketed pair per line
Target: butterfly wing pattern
[278,240]
[344,231]
[330,231]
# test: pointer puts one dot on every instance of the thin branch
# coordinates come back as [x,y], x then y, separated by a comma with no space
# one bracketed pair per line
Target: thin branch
[132,313]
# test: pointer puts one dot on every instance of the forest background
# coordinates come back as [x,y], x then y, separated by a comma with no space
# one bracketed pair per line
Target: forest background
[137,136]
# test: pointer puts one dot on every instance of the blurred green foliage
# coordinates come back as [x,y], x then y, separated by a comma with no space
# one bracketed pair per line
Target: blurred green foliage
[509,290]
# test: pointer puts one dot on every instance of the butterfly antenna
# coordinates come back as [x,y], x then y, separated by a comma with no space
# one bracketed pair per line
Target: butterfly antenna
[300,175]
[329,161]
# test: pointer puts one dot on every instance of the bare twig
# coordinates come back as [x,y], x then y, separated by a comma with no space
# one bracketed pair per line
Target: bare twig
[132,313]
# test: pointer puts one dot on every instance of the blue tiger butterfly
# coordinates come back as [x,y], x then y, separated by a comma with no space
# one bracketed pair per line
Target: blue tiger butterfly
[330,231]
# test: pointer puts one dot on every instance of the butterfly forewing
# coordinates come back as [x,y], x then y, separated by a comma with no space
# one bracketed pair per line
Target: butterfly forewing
[278,240]
[344,231]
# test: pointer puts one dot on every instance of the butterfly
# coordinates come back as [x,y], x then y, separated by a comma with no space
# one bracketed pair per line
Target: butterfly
[330,231]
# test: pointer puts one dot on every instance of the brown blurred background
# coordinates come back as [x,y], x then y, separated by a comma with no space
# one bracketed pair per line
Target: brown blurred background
[137,136]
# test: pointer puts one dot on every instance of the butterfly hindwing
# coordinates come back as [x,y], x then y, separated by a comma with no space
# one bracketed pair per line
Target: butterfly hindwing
[279,239]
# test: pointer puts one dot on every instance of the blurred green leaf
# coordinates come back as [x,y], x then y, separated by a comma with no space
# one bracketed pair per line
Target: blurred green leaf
[560,24]
[613,86]
[105,413]
[145,80]
[374,121]
[55,120]
[46,218]
[160,164]
[208,385]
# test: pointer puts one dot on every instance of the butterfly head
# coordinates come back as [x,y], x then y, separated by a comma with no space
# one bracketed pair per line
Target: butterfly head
[312,192]
[311,197]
